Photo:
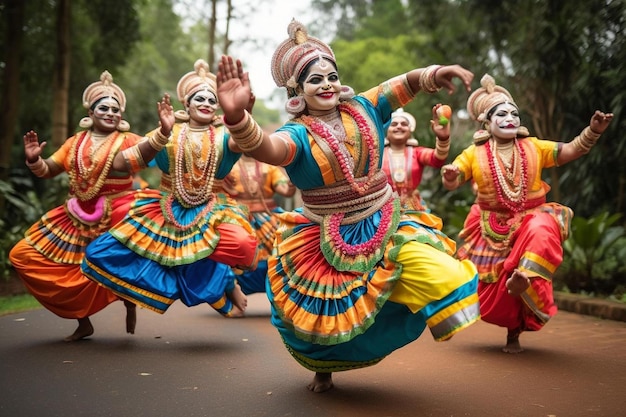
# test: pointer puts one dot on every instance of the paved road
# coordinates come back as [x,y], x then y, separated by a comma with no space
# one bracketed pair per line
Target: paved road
[192,362]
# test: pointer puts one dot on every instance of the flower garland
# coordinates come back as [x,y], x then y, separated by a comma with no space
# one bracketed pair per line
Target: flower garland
[319,128]
[333,221]
[87,181]
[510,196]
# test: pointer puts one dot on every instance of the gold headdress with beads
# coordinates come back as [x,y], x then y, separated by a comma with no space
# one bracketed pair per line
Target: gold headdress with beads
[295,53]
[103,88]
[199,79]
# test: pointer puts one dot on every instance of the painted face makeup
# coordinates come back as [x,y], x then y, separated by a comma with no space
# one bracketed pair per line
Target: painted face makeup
[202,107]
[106,115]
[321,87]
[505,121]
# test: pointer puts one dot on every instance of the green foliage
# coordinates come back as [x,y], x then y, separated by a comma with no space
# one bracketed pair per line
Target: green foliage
[17,303]
[593,255]
[24,207]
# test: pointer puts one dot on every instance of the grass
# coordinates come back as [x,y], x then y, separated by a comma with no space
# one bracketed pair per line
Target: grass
[17,303]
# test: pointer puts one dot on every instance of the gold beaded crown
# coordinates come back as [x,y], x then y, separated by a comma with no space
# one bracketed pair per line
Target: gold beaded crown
[103,88]
[295,53]
[198,79]
[486,98]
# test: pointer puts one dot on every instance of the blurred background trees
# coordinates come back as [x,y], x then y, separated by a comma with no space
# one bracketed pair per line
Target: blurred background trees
[560,59]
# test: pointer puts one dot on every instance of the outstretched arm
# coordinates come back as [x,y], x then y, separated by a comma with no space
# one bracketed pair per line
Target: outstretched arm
[583,143]
[434,77]
[234,94]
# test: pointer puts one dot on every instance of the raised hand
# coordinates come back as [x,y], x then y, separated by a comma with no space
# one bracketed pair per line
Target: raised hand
[445,75]
[600,121]
[442,131]
[166,114]
[233,89]
[32,147]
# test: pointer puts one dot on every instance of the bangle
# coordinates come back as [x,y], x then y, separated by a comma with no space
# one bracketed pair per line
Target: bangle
[158,140]
[246,133]
[39,167]
[586,140]
[427,79]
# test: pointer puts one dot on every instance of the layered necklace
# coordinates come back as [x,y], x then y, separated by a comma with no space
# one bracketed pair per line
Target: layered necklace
[322,130]
[509,168]
[91,170]
[361,186]
[251,176]
[195,165]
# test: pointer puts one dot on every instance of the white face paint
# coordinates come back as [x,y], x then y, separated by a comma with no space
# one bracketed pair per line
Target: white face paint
[505,121]
[399,131]
[106,115]
[202,107]
[321,87]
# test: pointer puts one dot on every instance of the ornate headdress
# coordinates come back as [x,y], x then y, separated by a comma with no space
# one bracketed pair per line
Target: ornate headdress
[103,88]
[200,78]
[485,98]
[294,54]
[99,90]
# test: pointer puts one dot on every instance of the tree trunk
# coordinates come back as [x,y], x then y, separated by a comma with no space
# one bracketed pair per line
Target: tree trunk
[10,97]
[61,81]
[229,17]
[212,28]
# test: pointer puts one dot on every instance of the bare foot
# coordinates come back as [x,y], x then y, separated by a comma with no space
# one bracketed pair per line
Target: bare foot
[512,342]
[517,283]
[238,298]
[84,329]
[131,316]
[235,313]
[322,381]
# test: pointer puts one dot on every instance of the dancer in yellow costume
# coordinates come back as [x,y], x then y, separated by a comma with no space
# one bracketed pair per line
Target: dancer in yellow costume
[512,234]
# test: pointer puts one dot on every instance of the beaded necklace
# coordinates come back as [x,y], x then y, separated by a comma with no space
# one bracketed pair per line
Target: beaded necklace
[346,162]
[88,177]
[189,189]
[331,223]
[509,193]
[251,184]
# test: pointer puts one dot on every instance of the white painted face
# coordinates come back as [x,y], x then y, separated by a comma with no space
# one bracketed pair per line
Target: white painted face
[505,121]
[321,87]
[202,107]
[106,115]
[399,131]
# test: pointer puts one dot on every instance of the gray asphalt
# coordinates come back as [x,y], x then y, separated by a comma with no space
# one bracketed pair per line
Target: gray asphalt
[192,362]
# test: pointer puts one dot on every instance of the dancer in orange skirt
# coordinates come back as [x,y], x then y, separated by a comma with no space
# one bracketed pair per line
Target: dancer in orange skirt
[100,162]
